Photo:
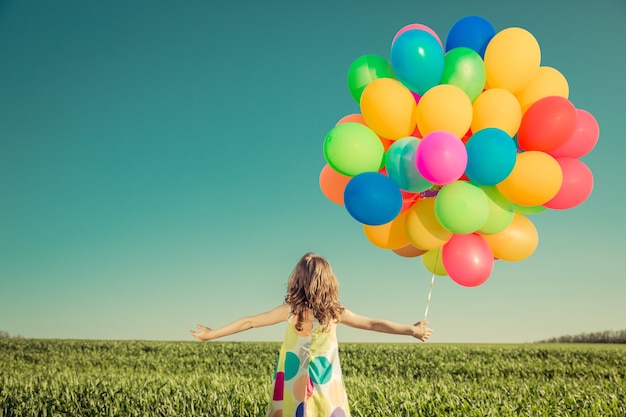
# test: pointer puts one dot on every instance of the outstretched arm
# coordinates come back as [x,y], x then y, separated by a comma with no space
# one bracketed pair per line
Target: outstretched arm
[418,330]
[268,318]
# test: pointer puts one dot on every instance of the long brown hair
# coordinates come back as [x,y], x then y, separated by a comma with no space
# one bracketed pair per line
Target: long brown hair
[313,288]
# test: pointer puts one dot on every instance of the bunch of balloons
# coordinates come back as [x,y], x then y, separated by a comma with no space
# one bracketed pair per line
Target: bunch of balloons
[456,145]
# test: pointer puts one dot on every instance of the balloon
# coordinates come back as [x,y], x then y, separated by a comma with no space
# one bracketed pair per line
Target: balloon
[464,68]
[548,82]
[333,184]
[461,207]
[529,209]
[433,263]
[535,179]
[547,124]
[473,32]
[512,59]
[516,242]
[372,198]
[583,139]
[576,187]
[444,107]
[364,70]
[408,199]
[441,157]
[388,108]
[496,107]
[352,148]
[417,60]
[409,251]
[389,235]
[358,118]
[401,166]
[491,155]
[417,26]
[468,259]
[422,227]
[501,211]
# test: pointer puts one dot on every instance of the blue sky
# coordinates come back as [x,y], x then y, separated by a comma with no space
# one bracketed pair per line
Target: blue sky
[159,167]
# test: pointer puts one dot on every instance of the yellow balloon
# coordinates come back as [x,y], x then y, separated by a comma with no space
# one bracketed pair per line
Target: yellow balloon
[516,242]
[388,108]
[512,59]
[535,179]
[432,261]
[498,108]
[390,235]
[422,227]
[444,107]
[548,82]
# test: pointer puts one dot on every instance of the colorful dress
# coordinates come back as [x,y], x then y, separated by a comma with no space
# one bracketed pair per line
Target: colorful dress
[308,380]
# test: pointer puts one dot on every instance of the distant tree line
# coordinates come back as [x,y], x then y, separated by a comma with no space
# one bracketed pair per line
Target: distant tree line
[607,336]
[6,335]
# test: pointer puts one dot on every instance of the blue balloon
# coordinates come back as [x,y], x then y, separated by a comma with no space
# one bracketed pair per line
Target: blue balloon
[402,168]
[491,155]
[372,198]
[472,32]
[417,60]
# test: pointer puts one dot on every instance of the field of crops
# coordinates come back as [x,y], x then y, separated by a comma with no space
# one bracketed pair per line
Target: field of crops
[141,378]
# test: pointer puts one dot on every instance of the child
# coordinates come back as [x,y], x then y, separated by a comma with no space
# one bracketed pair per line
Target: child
[308,380]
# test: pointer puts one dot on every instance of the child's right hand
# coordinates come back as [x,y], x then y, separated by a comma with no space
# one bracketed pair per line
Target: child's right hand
[420,331]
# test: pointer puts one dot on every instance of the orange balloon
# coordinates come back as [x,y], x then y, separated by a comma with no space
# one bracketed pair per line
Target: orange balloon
[535,179]
[390,235]
[512,59]
[444,107]
[332,184]
[498,108]
[422,227]
[354,117]
[548,82]
[358,118]
[516,242]
[388,108]
[409,251]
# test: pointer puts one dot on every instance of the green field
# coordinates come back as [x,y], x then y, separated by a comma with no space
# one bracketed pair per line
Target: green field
[141,378]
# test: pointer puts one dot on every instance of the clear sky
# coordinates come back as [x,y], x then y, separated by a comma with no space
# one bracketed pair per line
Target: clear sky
[159,167]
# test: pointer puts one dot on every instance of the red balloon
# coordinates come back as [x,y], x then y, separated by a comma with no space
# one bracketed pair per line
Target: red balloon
[467,259]
[583,139]
[408,199]
[547,124]
[576,187]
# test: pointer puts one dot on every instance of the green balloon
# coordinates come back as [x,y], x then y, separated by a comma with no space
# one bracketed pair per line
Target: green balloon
[352,148]
[366,69]
[501,211]
[461,207]
[464,68]
[529,209]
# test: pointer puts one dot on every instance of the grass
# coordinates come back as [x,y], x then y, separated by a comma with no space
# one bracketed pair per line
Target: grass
[142,378]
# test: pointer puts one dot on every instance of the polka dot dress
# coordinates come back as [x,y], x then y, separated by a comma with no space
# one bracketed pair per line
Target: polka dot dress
[308,380]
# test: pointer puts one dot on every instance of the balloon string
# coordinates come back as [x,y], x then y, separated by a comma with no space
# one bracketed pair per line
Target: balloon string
[432,282]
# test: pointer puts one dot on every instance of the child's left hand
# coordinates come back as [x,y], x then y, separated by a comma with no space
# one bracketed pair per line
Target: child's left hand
[203,334]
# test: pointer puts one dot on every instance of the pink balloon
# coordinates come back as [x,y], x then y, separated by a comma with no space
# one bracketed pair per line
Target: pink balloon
[576,187]
[467,259]
[418,26]
[583,139]
[441,157]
